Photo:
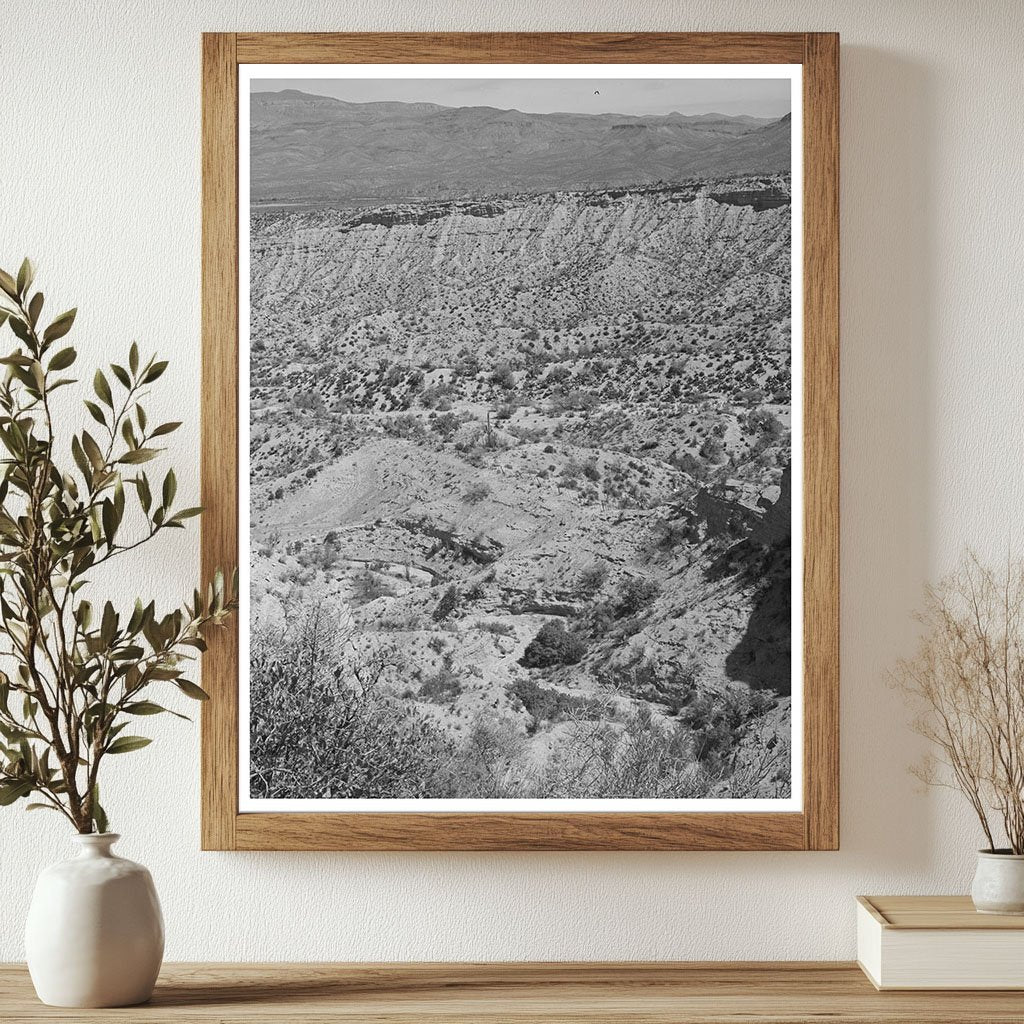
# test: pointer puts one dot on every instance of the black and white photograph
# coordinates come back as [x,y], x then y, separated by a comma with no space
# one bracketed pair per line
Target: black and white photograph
[521,440]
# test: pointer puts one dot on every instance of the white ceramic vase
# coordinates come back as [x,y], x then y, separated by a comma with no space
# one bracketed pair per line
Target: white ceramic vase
[999,883]
[95,934]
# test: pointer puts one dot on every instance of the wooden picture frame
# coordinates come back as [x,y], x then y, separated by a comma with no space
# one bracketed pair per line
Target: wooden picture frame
[816,826]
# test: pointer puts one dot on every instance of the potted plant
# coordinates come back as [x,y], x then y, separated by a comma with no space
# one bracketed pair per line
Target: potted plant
[79,671]
[967,681]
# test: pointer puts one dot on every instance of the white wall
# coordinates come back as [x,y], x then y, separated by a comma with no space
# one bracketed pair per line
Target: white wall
[99,181]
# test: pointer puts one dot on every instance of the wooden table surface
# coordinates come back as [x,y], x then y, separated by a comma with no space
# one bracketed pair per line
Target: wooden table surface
[661,993]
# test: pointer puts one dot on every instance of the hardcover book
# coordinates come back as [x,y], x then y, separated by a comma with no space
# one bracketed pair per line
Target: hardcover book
[938,942]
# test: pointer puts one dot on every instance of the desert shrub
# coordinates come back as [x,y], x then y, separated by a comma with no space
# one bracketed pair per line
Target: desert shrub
[477,492]
[297,575]
[489,762]
[712,450]
[635,677]
[448,603]
[503,377]
[405,425]
[670,684]
[590,470]
[643,759]
[322,725]
[445,425]
[467,365]
[309,400]
[591,580]
[368,586]
[553,645]
[545,704]
[443,686]
[675,686]
[602,618]
[470,440]
[557,374]
[527,435]
[636,593]
[497,628]
[668,534]
[318,556]
[761,421]
[580,400]
[720,721]
[400,620]
[436,396]
[620,614]
[762,769]
[688,463]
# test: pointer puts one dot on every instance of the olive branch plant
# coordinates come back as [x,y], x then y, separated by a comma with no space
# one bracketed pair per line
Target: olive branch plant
[74,674]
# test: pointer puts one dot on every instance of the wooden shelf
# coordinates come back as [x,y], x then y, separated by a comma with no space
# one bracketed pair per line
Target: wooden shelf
[658,993]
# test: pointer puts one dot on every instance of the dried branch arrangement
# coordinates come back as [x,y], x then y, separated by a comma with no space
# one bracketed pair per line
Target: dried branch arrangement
[79,670]
[967,680]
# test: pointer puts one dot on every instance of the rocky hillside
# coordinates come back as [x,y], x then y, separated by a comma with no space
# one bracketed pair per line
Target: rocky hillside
[535,448]
[577,273]
[315,148]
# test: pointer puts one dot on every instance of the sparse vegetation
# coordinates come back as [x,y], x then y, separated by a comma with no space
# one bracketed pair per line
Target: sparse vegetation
[545,704]
[497,628]
[448,603]
[591,580]
[553,645]
[636,594]
[534,479]
[443,686]
[476,493]
[370,585]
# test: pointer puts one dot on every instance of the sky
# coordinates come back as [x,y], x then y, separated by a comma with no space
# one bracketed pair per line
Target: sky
[753,96]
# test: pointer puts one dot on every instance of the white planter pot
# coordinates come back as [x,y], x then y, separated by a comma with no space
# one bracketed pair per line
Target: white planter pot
[95,934]
[999,883]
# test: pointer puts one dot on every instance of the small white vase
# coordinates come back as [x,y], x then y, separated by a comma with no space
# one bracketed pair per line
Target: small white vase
[999,883]
[95,934]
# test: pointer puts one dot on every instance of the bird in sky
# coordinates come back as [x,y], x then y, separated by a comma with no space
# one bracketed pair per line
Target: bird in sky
[597,92]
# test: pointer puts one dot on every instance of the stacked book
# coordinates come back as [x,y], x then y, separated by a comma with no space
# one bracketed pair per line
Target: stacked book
[938,942]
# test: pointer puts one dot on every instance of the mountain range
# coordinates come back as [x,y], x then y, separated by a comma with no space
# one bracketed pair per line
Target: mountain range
[307,148]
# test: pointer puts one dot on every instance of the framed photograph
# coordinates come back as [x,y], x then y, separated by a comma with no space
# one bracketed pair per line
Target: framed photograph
[520,420]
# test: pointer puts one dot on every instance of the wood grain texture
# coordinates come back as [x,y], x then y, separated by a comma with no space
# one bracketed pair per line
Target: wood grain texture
[219,439]
[817,827]
[615,993]
[520,48]
[821,440]
[620,831]
[942,913]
